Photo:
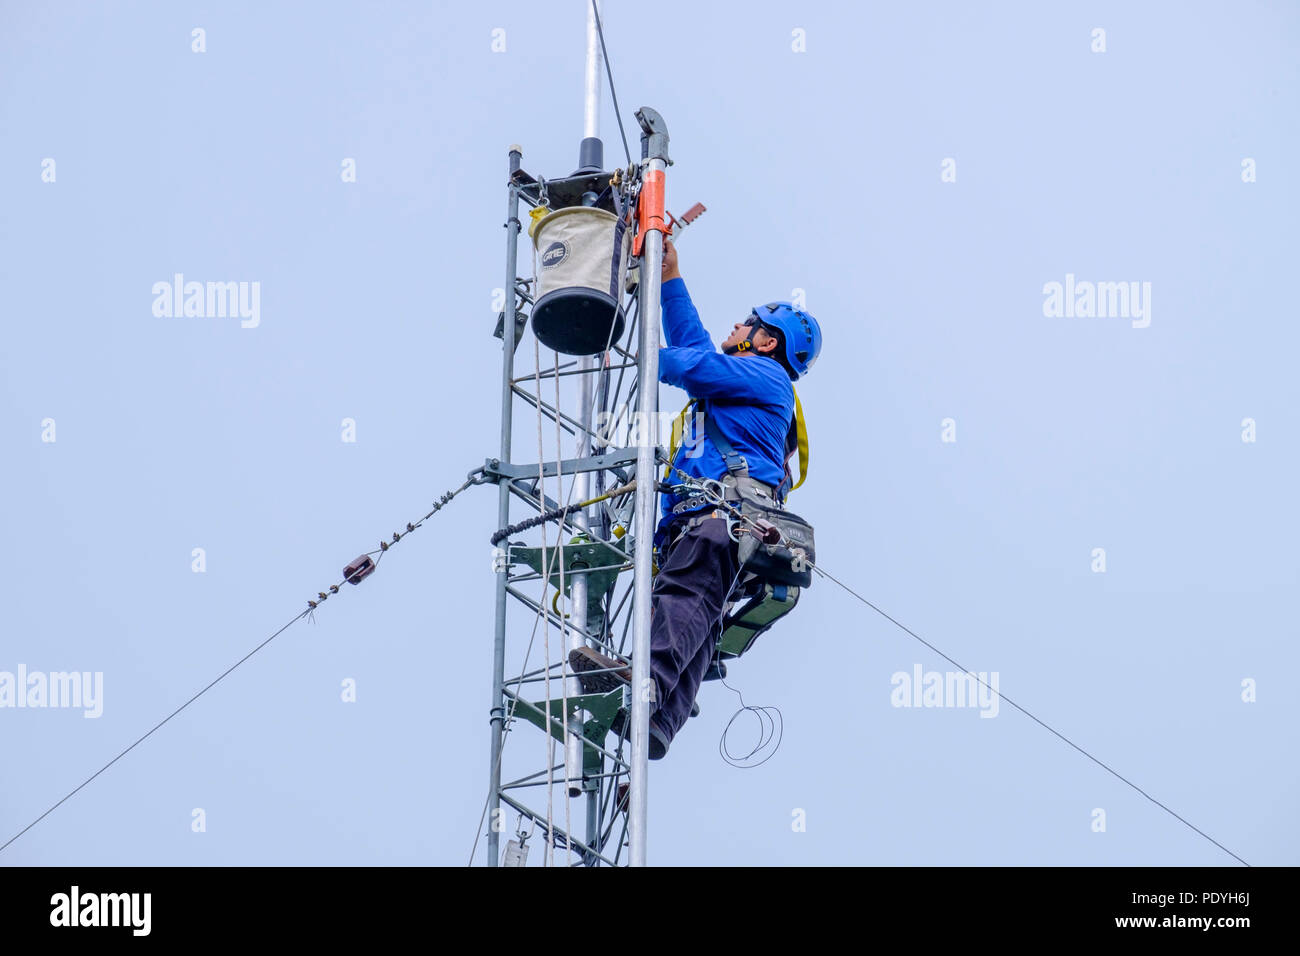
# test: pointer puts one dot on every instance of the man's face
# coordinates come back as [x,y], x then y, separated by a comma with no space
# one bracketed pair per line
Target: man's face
[763,342]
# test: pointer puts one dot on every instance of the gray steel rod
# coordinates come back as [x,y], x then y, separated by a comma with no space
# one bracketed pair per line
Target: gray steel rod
[497,710]
[591,78]
[646,518]
[578,587]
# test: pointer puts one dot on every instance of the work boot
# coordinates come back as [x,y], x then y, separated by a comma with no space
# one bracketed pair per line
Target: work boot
[610,674]
[622,726]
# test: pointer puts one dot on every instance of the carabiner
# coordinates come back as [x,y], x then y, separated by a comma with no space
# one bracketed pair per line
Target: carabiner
[717,496]
[732,523]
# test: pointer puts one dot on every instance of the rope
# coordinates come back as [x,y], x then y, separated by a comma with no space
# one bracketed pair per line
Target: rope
[155,727]
[769,727]
[604,55]
[717,499]
[475,478]
[549,857]
[508,719]
[308,613]
[564,642]
[540,520]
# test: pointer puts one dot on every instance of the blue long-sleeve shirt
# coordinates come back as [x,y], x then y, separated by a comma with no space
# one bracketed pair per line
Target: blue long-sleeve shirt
[750,398]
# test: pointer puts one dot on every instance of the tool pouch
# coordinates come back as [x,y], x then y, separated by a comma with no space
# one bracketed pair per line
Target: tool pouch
[777,546]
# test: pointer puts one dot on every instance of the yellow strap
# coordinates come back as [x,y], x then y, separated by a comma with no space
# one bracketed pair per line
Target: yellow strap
[800,430]
[801,436]
[679,425]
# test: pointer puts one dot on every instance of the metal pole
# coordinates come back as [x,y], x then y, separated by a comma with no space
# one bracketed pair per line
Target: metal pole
[578,595]
[503,513]
[578,591]
[591,82]
[654,153]
[646,518]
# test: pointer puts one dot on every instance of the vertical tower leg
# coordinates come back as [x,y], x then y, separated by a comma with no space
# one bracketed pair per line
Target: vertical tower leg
[654,150]
[497,710]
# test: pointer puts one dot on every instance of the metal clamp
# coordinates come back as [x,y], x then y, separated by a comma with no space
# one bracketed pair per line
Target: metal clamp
[705,491]
[713,489]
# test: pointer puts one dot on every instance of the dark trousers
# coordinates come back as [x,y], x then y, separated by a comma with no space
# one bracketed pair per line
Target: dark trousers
[695,576]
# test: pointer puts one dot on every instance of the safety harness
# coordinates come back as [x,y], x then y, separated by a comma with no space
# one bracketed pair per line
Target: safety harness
[775,546]
[796,441]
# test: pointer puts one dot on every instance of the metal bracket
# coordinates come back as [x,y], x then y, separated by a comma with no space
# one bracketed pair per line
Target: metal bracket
[654,134]
[600,561]
[561,193]
[521,323]
[601,708]
[496,470]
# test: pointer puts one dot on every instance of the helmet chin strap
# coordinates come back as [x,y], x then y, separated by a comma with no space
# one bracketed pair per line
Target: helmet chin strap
[744,345]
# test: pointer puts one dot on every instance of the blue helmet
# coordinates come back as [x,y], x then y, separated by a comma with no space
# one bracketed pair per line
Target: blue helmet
[800,335]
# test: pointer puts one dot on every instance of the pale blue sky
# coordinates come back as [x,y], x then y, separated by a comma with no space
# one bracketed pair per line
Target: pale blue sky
[821,171]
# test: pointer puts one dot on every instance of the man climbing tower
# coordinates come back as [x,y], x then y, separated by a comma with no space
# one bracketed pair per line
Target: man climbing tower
[746,391]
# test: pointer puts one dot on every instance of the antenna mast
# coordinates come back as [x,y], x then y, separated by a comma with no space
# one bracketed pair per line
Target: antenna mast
[589,286]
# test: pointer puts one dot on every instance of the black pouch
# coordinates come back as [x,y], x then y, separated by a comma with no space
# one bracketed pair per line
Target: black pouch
[780,549]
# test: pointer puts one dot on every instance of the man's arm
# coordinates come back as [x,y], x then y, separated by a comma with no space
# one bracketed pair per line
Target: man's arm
[682,325]
[714,375]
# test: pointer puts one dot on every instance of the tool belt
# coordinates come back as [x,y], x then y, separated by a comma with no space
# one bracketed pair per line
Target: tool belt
[773,544]
[729,488]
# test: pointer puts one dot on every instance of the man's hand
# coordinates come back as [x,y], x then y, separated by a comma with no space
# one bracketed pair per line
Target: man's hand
[669,270]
